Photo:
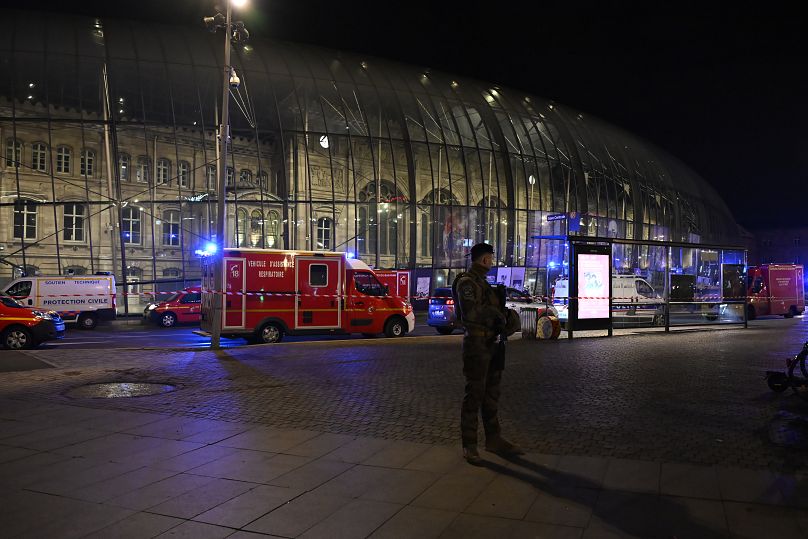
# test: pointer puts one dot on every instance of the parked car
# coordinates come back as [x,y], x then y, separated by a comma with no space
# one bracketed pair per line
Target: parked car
[443,317]
[183,307]
[441,314]
[22,328]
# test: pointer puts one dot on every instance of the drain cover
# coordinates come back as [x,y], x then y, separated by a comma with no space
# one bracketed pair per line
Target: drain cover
[114,390]
[789,430]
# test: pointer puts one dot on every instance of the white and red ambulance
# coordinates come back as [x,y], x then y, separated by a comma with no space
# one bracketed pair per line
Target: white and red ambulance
[271,293]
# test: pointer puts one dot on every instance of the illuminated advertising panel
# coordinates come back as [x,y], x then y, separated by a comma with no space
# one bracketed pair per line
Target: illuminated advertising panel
[593,286]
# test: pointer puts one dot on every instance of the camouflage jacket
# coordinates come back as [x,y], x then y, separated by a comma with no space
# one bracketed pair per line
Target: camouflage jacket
[479,306]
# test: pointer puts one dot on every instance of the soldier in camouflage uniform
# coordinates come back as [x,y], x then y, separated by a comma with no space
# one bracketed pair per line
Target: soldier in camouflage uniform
[483,318]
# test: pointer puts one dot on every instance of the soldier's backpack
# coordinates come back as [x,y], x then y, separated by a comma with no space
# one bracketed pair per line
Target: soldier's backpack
[456,298]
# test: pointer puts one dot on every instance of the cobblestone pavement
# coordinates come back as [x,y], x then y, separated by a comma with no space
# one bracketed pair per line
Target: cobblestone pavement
[687,396]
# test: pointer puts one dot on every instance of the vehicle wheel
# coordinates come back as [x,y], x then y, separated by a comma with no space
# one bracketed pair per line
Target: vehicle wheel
[750,313]
[87,321]
[395,327]
[269,333]
[17,338]
[445,330]
[792,312]
[777,382]
[168,320]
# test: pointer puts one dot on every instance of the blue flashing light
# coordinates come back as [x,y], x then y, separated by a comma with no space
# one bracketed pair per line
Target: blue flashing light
[551,264]
[350,254]
[209,250]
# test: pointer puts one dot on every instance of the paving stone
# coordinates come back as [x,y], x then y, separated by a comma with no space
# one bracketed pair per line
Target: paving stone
[415,522]
[453,492]
[160,491]
[756,486]
[137,526]
[319,445]
[632,475]
[358,518]
[245,508]
[504,497]
[467,526]
[756,520]
[196,530]
[631,514]
[566,506]
[689,517]
[202,499]
[678,479]
[297,516]
[312,474]
[396,455]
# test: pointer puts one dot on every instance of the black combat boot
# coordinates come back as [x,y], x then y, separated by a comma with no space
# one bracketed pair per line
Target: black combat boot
[471,455]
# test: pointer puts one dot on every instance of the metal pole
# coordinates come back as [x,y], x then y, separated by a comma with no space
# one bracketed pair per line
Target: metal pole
[221,218]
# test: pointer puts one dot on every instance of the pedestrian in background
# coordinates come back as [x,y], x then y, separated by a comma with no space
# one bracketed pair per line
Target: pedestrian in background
[484,318]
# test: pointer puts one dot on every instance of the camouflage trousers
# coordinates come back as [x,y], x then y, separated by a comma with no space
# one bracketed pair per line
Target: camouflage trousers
[482,389]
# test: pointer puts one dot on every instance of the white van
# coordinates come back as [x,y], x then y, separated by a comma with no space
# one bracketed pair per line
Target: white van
[634,301]
[80,299]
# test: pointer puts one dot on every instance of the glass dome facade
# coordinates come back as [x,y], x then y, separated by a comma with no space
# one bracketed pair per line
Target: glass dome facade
[109,133]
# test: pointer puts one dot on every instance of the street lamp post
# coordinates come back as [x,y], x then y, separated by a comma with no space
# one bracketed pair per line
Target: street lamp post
[229,79]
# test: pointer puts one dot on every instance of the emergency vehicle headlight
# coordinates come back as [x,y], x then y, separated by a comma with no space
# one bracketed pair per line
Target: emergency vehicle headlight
[152,306]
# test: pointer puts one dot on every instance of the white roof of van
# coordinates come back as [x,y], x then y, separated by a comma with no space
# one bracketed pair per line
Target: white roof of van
[355,264]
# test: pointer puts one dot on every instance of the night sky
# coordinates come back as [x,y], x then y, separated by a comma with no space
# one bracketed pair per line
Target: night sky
[722,87]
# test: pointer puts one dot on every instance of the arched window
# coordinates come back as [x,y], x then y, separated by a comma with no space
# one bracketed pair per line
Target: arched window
[25,219]
[256,228]
[131,226]
[272,228]
[325,227]
[27,271]
[39,158]
[123,166]
[171,228]
[74,217]
[64,157]
[75,270]
[163,171]
[183,173]
[13,153]
[87,164]
[242,226]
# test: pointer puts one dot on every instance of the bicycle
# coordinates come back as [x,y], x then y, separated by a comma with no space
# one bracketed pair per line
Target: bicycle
[780,381]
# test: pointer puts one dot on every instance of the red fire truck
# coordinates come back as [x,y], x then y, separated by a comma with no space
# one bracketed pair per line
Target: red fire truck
[776,289]
[272,293]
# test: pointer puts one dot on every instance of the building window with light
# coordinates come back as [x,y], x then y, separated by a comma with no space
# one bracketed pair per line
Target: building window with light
[74,216]
[242,225]
[13,153]
[25,219]
[163,171]
[183,173]
[272,226]
[171,228]
[39,159]
[142,169]
[131,226]
[87,164]
[231,176]
[325,228]
[63,160]
[245,176]
[210,177]
[123,167]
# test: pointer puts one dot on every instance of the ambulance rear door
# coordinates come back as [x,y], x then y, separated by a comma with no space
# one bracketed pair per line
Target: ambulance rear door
[235,304]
